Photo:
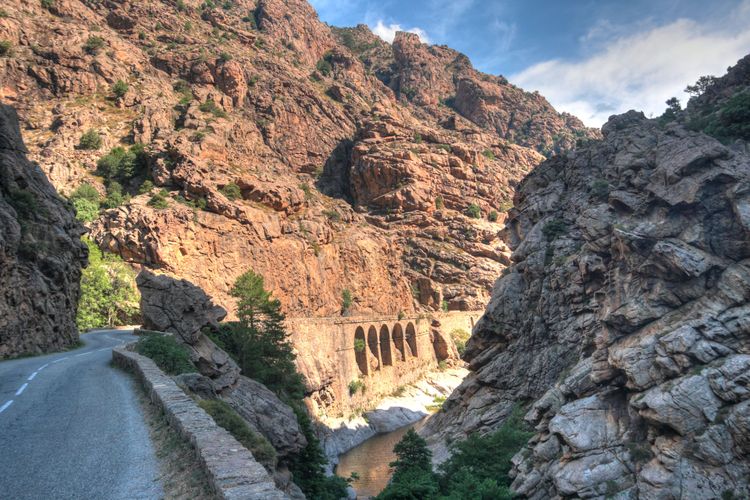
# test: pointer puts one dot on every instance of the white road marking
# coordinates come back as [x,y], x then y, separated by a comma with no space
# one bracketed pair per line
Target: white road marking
[58,360]
[43,367]
[31,377]
[5,406]
[21,389]
[84,353]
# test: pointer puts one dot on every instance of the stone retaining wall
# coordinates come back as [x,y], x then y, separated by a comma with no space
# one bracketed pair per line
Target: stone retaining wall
[231,469]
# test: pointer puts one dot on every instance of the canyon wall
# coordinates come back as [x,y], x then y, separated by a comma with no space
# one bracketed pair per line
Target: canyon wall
[280,144]
[41,253]
[622,324]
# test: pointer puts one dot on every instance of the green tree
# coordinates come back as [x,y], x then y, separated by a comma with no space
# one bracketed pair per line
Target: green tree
[108,293]
[346,299]
[94,44]
[703,84]
[166,352]
[412,470]
[122,164]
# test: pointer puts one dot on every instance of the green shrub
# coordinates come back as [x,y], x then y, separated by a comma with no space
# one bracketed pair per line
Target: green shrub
[86,210]
[48,4]
[146,187]
[460,337]
[85,191]
[6,48]
[324,67]
[121,164]
[600,189]
[356,386]
[119,89]
[90,140]
[346,299]
[359,345]
[489,154]
[444,306]
[505,206]
[180,4]
[485,457]
[732,120]
[158,201]
[94,44]
[3,13]
[474,211]
[168,354]
[417,137]
[225,57]
[115,196]
[554,229]
[227,418]
[439,203]
[109,296]
[332,215]
[232,191]
[492,216]
[210,107]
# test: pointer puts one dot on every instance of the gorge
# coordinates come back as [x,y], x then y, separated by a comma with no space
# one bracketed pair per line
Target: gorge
[383,203]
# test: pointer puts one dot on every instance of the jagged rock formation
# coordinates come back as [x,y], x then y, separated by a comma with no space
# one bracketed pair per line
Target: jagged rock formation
[183,309]
[41,253]
[623,321]
[345,159]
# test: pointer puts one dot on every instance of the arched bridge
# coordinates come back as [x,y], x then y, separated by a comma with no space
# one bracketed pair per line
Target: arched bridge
[350,362]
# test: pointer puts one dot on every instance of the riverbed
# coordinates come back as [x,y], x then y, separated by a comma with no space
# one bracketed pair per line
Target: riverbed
[370,461]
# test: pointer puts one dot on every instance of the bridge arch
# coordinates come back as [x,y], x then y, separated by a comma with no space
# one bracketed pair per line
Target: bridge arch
[411,339]
[385,346]
[398,342]
[360,347]
[372,344]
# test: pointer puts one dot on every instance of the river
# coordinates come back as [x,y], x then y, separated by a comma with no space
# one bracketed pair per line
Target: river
[370,460]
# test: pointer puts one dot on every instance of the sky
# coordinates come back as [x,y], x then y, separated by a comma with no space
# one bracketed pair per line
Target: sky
[592,58]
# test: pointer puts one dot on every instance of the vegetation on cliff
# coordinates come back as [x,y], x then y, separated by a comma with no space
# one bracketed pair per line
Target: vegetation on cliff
[166,352]
[478,467]
[260,344]
[108,293]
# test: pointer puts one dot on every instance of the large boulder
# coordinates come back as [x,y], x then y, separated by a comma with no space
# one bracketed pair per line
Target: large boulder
[183,309]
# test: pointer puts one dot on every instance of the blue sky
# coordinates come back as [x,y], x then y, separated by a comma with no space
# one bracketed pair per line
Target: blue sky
[591,58]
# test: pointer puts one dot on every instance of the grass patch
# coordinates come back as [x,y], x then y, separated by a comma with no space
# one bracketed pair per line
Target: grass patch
[227,418]
[166,352]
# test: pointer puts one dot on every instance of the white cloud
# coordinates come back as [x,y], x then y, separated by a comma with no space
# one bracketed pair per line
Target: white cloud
[639,70]
[388,33]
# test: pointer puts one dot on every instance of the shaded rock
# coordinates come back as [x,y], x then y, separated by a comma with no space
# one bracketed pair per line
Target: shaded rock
[183,309]
[41,254]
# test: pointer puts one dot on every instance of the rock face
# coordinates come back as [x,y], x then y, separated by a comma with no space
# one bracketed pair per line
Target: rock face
[183,309]
[41,253]
[356,161]
[623,320]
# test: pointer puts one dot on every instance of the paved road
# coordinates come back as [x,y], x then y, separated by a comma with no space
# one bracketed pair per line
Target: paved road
[74,428]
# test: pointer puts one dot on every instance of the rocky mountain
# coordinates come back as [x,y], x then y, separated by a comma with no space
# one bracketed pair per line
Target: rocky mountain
[325,159]
[41,253]
[622,323]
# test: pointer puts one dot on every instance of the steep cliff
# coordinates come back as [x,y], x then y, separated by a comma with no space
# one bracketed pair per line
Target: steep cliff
[280,146]
[622,324]
[41,253]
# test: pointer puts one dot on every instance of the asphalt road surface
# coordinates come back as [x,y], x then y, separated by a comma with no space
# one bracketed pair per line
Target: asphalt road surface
[71,427]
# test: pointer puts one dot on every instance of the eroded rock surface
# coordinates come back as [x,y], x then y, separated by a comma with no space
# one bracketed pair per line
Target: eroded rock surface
[41,253]
[623,320]
[356,160]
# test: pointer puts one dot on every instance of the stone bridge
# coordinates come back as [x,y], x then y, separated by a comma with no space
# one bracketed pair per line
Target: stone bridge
[352,362]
